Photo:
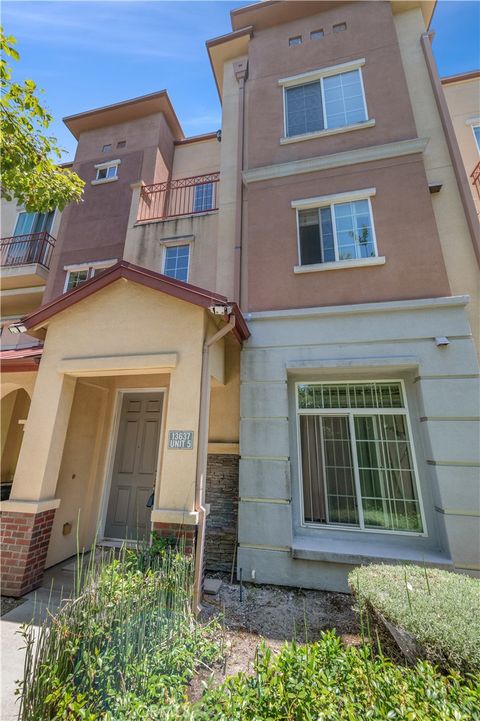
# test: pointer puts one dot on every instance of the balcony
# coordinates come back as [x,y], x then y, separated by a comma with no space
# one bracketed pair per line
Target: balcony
[25,260]
[192,196]
[475,177]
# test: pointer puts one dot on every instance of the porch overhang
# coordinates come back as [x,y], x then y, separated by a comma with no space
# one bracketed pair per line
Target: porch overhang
[143,276]
[20,359]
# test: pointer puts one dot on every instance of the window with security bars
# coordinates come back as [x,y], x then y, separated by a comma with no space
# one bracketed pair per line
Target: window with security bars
[333,101]
[203,197]
[356,457]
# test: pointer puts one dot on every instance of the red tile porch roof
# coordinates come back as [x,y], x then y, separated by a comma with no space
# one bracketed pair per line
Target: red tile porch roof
[20,359]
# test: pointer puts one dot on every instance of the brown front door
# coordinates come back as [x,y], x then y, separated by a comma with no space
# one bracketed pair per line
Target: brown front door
[135,466]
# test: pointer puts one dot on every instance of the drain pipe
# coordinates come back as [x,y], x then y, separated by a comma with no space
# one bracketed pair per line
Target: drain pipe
[202,460]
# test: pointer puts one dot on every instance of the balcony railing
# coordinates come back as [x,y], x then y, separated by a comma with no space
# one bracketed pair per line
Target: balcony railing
[176,198]
[475,176]
[34,248]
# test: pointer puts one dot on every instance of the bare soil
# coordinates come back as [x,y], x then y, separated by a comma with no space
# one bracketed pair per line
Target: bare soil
[272,614]
[8,603]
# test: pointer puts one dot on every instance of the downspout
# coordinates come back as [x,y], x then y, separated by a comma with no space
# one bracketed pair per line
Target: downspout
[202,460]
[240,68]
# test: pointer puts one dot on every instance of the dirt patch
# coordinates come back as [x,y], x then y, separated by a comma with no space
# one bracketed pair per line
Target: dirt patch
[8,603]
[283,614]
[273,615]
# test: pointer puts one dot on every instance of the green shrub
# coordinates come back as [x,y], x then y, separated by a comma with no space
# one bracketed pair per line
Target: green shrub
[440,609]
[325,681]
[127,641]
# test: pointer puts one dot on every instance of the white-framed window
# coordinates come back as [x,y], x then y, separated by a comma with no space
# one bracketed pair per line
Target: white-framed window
[336,229]
[176,261]
[106,172]
[78,274]
[323,101]
[476,132]
[203,197]
[33,223]
[356,457]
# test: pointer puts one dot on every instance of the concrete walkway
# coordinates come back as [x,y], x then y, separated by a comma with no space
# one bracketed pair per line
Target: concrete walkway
[57,583]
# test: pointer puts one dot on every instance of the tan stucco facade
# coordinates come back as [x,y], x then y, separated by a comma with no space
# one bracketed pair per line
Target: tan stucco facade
[123,337]
[463,100]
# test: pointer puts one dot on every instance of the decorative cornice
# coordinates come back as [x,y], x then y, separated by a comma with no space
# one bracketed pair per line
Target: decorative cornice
[336,160]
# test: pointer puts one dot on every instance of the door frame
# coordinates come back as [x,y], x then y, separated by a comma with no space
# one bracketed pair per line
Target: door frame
[112,448]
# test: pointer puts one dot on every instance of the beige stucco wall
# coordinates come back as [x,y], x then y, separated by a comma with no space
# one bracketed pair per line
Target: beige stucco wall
[13,415]
[463,100]
[224,423]
[196,158]
[122,327]
[457,247]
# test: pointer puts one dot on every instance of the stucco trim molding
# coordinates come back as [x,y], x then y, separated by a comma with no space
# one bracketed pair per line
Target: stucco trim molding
[362,308]
[223,449]
[336,160]
[107,365]
[168,515]
[311,75]
[33,507]
[340,264]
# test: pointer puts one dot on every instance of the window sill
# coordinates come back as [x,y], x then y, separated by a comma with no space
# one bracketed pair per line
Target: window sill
[331,131]
[339,265]
[362,551]
[101,181]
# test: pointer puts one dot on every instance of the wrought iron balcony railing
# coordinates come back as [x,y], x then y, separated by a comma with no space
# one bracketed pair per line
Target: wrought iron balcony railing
[34,248]
[176,198]
[475,176]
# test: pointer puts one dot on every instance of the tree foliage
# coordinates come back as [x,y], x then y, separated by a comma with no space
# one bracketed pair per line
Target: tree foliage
[30,173]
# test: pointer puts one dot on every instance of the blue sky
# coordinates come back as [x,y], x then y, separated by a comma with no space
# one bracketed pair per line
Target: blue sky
[86,54]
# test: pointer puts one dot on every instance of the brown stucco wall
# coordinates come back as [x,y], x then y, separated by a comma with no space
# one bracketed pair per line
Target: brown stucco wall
[405,230]
[271,58]
[95,229]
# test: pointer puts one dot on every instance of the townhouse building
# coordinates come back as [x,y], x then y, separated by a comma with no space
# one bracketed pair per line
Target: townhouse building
[261,338]
[462,95]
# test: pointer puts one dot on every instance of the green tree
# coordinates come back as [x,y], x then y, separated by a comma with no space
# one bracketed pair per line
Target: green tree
[30,173]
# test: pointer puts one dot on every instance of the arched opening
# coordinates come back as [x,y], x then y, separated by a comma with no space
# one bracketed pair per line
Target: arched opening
[14,411]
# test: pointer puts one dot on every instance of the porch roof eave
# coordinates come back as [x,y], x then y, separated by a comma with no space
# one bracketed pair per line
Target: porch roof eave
[137,274]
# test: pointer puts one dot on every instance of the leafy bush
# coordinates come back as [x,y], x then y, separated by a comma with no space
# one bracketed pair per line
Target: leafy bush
[325,681]
[127,643]
[440,609]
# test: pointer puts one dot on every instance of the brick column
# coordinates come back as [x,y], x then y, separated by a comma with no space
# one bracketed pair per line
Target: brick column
[180,533]
[24,545]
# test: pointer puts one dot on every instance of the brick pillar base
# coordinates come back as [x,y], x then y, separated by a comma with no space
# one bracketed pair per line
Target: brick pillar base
[222,495]
[179,534]
[24,545]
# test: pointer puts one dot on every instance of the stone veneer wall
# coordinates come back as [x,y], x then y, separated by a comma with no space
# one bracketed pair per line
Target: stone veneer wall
[24,545]
[222,495]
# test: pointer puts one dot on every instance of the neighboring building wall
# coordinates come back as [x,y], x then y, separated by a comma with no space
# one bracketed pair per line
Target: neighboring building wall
[463,100]
[95,229]
[392,340]
[457,245]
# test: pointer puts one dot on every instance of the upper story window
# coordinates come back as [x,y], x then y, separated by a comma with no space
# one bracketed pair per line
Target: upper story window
[336,231]
[203,197]
[176,262]
[340,27]
[476,132]
[122,144]
[297,40]
[357,460]
[324,101]
[316,34]
[78,274]
[106,172]
[28,223]
[107,148]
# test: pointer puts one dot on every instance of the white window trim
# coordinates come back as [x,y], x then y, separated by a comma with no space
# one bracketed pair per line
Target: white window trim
[320,74]
[94,265]
[327,201]
[312,75]
[349,412]
[101,166]
[477,141]
[175,244]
